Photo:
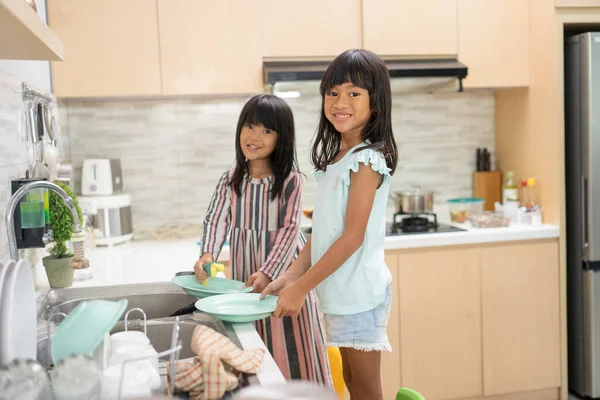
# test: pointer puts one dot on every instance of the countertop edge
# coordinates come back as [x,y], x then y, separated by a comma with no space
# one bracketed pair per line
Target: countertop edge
[269,373]
[472,236]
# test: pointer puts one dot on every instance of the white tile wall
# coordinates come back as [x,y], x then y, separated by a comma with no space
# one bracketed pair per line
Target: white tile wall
[14,153]
[174,150]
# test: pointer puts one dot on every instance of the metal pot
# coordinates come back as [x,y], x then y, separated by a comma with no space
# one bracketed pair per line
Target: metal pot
[414,201]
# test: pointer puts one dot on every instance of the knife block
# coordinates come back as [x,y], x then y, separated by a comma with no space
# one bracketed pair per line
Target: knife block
[487,185]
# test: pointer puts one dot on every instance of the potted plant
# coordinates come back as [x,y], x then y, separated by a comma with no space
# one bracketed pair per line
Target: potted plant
[58,264]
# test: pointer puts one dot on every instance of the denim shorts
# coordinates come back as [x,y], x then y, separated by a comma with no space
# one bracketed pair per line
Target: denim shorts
[365,331]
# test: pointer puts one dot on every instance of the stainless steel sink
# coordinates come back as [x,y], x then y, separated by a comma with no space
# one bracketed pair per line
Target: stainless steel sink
[157,300]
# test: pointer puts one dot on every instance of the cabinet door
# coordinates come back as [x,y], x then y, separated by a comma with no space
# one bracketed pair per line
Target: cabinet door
[409,27]
[440,322]
[577,3]
[520,317]
[493,42]
[111,48]
[390,361]
[206,48]
[310,28]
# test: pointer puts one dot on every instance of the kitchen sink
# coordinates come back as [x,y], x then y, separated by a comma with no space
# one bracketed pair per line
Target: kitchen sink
[158,301]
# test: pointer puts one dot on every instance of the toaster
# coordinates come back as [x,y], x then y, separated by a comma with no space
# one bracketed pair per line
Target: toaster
[101,177]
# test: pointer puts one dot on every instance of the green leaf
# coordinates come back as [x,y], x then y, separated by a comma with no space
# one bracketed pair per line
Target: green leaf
[61,221]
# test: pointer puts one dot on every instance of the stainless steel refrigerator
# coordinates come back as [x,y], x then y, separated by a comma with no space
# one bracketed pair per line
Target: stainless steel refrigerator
[582,168]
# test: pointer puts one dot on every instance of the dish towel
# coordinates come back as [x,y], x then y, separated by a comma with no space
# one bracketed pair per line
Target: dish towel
[216,367]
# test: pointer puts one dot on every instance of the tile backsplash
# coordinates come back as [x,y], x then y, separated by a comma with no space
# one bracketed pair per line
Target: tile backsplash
[14,154]
[173,151]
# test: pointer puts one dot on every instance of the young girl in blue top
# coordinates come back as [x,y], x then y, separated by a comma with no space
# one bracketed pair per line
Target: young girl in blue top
[354,154]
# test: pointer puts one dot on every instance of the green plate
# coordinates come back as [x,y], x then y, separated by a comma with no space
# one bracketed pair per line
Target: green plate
[238,308]
[215,286]
[85,328]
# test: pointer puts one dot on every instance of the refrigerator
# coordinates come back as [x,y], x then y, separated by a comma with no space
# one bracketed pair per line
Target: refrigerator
[582,175]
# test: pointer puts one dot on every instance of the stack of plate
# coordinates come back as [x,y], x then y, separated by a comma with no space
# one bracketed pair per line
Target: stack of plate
[227,299]
[18,314]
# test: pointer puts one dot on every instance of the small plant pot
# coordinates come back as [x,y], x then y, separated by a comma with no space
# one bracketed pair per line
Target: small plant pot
[59,271]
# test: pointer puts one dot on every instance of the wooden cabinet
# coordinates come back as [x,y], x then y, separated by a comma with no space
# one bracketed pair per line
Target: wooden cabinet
[25,35]
[577,3]
[410,28]
[390,361]
[520,317]
[111,47]
[310,28]
[493,41]
[205,48]
[440,322]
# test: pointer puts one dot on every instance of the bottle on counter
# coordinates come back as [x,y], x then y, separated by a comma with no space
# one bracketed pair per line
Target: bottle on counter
[510,197]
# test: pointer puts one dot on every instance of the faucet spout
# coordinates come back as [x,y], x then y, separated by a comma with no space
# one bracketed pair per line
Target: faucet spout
[14,200]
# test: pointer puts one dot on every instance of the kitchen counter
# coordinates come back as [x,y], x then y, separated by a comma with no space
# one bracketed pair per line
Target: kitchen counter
[147,261]
[472,236]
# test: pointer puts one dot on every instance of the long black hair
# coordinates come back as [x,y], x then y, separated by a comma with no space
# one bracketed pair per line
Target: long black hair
[275,114]
[366,70]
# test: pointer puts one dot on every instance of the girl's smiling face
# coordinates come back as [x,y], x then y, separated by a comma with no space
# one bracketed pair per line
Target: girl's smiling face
[257,142]
[347,107]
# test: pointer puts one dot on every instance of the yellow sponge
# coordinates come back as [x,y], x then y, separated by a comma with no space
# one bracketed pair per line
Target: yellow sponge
[212,269]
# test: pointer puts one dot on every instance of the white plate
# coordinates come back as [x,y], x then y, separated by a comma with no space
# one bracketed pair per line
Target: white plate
[18,316]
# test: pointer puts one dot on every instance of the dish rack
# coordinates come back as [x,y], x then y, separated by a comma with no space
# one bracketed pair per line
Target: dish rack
[169,367]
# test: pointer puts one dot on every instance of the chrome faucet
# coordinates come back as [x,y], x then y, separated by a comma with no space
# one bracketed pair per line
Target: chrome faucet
[14,200]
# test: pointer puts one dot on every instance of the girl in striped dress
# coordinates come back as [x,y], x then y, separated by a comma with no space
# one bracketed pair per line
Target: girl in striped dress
[258,205]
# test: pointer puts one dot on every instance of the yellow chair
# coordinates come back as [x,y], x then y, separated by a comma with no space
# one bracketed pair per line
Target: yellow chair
[335,365]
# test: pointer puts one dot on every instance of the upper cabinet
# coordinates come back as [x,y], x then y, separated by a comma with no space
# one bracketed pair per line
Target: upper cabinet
[410,28]
[577,3]
[200,54]
[111,47]
[493,42]
[311,29]
[203,47]
[27,35]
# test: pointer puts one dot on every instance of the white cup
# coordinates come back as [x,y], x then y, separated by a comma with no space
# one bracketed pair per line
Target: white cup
[127,338]
[135,351]
[138,380]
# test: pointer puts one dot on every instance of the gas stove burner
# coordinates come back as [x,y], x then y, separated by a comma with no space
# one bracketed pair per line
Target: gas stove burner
[424,223]
[414,222]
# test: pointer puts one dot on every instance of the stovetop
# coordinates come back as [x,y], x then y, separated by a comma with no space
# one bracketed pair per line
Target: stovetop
[411,224]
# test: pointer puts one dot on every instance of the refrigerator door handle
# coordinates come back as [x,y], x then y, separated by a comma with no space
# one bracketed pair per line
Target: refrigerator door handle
[584,211]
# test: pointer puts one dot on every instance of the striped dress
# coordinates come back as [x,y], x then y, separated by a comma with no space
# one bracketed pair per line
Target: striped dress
[265,236]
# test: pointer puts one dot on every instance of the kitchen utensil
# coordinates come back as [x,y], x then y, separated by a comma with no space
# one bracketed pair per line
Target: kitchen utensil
[24,380]
[215,286]
[76,377]
[414,201]
[18,314]
[85,327]
[238,308]
[127,338]
[51,146]
[40,170]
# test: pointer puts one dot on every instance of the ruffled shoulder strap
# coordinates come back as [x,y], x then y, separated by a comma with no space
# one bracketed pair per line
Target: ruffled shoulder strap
[369,157]
[317,174]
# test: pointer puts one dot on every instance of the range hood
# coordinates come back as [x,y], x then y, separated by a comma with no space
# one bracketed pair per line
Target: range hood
[282,71]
